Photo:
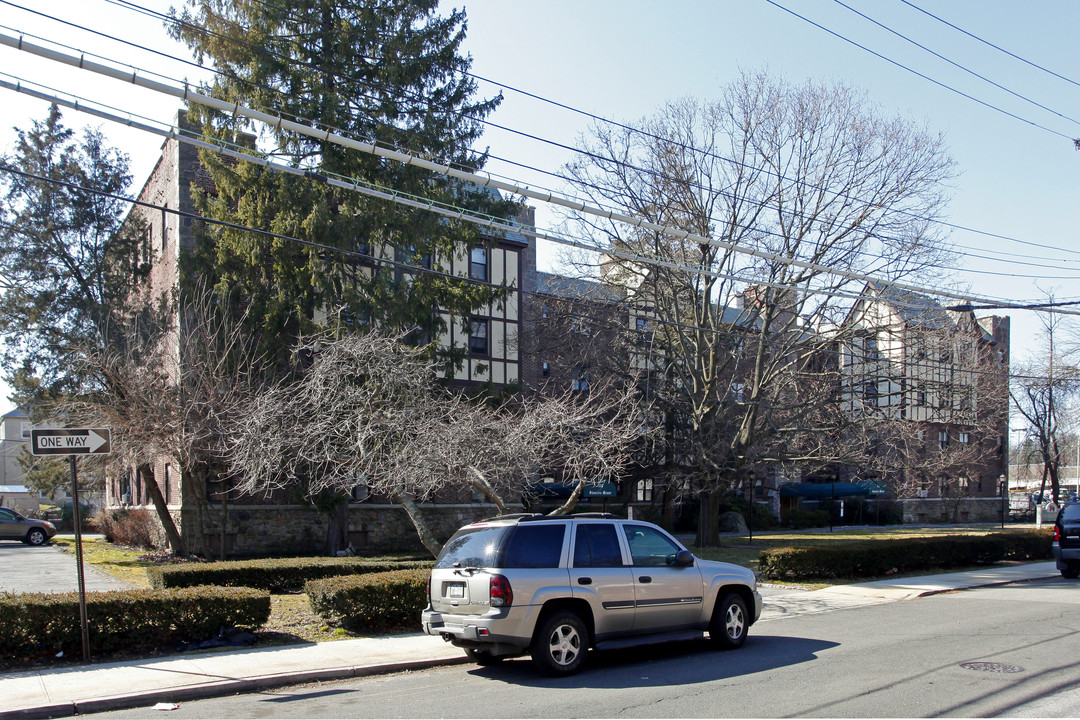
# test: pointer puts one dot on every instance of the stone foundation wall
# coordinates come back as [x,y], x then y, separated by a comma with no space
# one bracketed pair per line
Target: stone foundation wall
[963,510]
[254,530]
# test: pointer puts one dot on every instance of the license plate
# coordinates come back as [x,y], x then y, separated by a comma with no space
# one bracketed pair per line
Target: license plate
[456,590]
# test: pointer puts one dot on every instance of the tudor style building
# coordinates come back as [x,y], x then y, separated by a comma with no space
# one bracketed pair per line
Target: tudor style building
[277,522]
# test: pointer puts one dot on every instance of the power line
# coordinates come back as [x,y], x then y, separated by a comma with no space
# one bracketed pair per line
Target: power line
[929,79]
[953,63]
[990,44]
[167,18]
[747,324]
[445,169]
[129,5]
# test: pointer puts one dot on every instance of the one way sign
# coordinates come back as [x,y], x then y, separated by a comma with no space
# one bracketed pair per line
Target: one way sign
[70,441]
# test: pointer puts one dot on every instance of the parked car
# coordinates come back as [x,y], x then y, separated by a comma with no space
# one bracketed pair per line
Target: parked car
[554,586]
[1066,545]
[14,526]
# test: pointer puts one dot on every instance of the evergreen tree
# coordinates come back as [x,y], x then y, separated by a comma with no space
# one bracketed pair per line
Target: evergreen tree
[388,72]
[65,265]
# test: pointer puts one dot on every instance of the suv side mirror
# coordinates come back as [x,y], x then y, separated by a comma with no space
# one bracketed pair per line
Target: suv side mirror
[684,558]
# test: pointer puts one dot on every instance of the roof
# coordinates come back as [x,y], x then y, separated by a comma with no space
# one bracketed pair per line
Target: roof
[577,288]
[16,413]
[914,308]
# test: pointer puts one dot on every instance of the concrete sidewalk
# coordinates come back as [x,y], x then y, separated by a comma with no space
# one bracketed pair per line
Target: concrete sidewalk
[69,691]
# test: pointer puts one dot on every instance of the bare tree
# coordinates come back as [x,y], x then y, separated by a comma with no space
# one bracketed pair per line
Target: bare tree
[806,177]
[375,416]
[168,387]
[1044,393]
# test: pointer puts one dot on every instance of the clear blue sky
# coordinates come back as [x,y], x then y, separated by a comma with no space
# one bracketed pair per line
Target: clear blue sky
[624,59]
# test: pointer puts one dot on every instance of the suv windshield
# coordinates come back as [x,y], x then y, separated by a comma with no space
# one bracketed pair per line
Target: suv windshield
[471,547]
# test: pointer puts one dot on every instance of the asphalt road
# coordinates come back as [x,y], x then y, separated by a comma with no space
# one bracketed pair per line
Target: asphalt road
[24,568]
[1004,651]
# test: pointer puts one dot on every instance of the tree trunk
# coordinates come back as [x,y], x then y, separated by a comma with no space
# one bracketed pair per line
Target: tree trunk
[172,535]
[479,482]
[567,507]
[418,521]
[708,529]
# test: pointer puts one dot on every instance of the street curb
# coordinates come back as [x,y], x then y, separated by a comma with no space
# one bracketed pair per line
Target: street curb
[219,689]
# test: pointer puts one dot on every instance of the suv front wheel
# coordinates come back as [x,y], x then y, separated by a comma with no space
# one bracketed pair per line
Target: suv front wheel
[730,621]
[560,644]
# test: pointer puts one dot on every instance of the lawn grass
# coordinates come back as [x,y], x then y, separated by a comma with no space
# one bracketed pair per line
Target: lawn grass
[123,563]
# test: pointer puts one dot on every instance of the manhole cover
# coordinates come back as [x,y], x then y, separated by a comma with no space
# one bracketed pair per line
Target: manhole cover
[992,667]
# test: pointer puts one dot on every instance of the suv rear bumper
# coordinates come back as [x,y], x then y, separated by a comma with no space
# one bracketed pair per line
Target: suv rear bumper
[476,630]
[1065,555]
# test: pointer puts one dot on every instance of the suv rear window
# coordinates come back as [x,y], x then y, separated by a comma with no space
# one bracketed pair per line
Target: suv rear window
[1070,513]
[471,547]
[534,546]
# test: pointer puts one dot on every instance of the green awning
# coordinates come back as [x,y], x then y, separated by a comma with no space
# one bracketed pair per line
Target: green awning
[828,489]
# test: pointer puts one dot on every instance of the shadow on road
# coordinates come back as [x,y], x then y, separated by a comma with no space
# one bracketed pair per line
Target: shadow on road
[667,664]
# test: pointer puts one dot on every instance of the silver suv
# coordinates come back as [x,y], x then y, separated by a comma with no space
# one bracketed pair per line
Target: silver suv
[556,585]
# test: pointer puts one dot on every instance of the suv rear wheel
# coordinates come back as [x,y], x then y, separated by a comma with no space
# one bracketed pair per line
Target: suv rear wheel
[1071,569]
[729,622]
[560,644]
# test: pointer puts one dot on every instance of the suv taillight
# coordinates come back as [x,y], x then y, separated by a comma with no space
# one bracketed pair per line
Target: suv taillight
[499,592]
[1057,533]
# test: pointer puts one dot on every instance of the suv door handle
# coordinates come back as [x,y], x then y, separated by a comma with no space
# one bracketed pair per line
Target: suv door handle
[584,581]
[644,579]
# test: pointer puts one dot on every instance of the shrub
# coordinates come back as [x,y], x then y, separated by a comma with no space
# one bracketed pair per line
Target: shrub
[273,574]
[38,624]
[132,527]
[377,601]
[872,558]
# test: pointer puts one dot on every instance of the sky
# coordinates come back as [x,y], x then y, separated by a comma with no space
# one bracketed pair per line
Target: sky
[624,59]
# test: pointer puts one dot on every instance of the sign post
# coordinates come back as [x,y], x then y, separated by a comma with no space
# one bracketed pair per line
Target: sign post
[72,442]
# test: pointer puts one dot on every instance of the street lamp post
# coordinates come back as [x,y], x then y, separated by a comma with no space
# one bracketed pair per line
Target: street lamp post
[1003,487]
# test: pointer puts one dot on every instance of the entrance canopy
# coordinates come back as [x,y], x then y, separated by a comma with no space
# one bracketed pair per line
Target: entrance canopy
[818,491]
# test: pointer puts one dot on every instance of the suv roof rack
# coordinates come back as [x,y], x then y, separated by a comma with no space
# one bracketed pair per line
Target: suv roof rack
[605,515]
[510,516]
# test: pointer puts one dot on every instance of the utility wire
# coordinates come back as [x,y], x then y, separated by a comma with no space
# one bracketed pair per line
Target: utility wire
[328,136]
[954,64]
[929,79]
[990,44]
[746,318]
[167,18]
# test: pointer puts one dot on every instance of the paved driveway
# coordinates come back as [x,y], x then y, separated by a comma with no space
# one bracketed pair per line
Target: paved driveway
[47,570]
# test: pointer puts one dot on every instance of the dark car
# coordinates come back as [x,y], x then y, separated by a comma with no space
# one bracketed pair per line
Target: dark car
[14,526]
[1067,540]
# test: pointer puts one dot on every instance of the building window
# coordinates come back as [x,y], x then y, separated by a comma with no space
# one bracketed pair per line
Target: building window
[920,397]
[644,491]
[964,438]
[24,429]
[478,264]
[580,381]
[478,336]
[359,493]
[943,439]
[545,369]
[737,391]
[870,393]
[872,352]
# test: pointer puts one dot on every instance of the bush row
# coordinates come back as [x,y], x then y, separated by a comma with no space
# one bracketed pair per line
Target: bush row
[34,624]
[872,558]
[273,574]
[379,601]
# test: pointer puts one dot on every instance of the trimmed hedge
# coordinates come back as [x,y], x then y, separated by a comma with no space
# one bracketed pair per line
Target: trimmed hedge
[379,601]
[875,558]
[33,624]
[273,574]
